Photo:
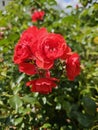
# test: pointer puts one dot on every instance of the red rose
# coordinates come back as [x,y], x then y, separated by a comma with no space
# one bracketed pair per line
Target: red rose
[50,47]
[22,53]
[27,42]
[38,15]
[73,66]
[27,68]
[42,85]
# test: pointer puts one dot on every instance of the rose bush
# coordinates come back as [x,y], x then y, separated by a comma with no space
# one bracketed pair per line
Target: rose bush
[65,102]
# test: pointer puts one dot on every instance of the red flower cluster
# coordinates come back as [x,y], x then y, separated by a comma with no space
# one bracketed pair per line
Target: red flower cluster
[36,52]
[38,15]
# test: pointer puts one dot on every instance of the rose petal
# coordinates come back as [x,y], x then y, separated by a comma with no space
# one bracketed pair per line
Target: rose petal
[27,68]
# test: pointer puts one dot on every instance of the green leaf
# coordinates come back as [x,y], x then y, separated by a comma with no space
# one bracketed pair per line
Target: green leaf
[46,125]
[84,120]
[15,102]
[89,105]
[31,100]
[24,111]
[69,6]
[18,120]
[20,78]
[17,88]
[3,42]
[67,106]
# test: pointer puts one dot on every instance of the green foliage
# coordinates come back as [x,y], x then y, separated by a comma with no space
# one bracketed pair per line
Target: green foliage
[71,106]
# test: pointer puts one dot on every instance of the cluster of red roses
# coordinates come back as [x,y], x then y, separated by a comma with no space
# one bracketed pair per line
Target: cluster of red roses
[36,52]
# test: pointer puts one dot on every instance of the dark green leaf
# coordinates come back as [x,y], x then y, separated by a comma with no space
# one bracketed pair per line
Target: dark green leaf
[89,105]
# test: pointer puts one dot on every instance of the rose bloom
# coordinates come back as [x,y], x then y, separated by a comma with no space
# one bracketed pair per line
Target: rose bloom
[49,48]
[38,15]
[22,53]
[42,85]
[73,66]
